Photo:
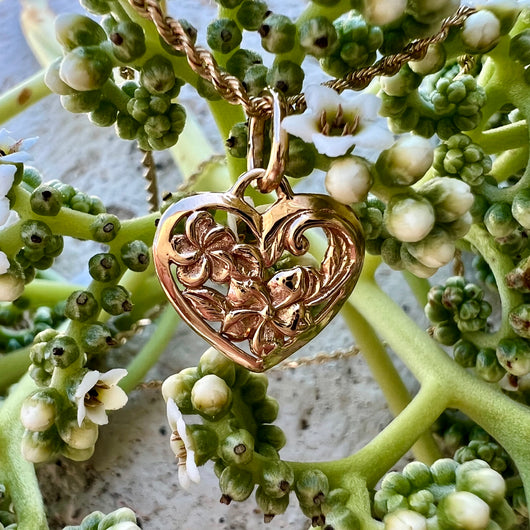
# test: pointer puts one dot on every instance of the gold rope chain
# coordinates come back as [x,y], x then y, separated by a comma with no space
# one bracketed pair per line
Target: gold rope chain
[231,88]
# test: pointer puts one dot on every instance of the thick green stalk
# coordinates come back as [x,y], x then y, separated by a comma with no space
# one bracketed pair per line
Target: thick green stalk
[387,377]
[15,472]
[13,365]
[420,287]
[22,96]
[48,292]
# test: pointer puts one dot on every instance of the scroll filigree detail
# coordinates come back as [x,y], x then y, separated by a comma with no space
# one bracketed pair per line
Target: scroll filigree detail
[228,282]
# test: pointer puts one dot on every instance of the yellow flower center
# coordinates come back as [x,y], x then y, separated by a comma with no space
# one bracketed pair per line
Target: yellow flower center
[339,125]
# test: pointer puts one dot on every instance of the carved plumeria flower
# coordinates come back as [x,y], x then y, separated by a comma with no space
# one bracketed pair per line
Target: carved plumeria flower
[335,123]
[13,151]
[181,445]
[266,314]
[97,393]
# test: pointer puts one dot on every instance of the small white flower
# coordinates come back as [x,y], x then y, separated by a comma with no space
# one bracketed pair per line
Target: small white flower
[409,219]
[7,176]
[11,286]
[405,520]
[349,180]
[181,446]
[466,510]
[335,123]
[383,12]
[98,393]
[450,197]
[13,151]
[434,251]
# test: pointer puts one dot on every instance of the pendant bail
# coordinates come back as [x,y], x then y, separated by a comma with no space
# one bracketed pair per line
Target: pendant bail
[273,174]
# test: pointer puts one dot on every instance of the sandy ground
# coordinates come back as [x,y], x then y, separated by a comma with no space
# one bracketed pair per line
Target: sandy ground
[327,411]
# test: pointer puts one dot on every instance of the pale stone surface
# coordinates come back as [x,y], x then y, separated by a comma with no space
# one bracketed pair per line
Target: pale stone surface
[327,411]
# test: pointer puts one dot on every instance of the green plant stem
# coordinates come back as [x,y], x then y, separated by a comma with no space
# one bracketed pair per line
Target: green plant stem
[509,163]
[13,365]
[500,265]
[503,138]
[48,292]
[387,377]
[15,472]
[22,96]
[420,287]
[150,353]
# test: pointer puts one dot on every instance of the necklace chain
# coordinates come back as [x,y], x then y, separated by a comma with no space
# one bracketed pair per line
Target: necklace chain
[232,90]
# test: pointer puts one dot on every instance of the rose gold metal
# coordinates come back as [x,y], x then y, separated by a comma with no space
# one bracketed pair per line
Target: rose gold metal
[231,288]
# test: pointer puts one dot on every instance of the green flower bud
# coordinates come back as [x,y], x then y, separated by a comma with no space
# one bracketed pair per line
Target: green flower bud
[462,510]
[266,450]
[278,34]
[205,443]
[46,200]
[105,115]
[266,411]
[396,482]
[465,353]
[270,506]
[312,487]
[506,12]
[157,75]
[450,198]
[38,446]
[115,520]
[72,30]
[318,36]
[391,253]
[255,389]
[286,76]
[435,250]
[433,61]
[128,41]
[443,471]
[115,300]
[499,221]
[126,126]
[35,234]
[206,90]
[241,60]
[237,140]
[300,159]
[478,478]
[39,410]
[105,227]
[520,47]
[251,14]
[213,362]
[211,396]
[277,478]
[62,350]
[104,267]
[178,387]
[514,355]
[406,162]
[78,437]
[519,278]
[418,474]
[98,7]
[135,255]
[86,68]
[401,84]
[157,126]
[521,208]
[503,516]
[481,32]
[96,338]
[81,102]
[81,306]
[341,518]
[409,218]
[236,484]
[272,435]
[53,80]
[487,365]
[422,501]
[223,35]
[238,447]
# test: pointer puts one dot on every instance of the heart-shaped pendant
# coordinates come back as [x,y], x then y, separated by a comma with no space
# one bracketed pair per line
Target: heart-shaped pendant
[231,271]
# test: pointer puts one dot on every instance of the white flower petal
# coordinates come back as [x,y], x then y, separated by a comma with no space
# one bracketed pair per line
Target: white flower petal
[184,479]
[12,218]
[112,377]
[365,105]
[7,174]
[4,210]
[191,467]
[373,136]
[81,411]
[319,97]
[88,382]
[301,125]
[97,415]
[18,157]
[4,263]
[333,145]
[113,398]
[11,287]
[176,421]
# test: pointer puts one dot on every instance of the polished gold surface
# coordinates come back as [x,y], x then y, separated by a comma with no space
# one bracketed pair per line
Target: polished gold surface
[235,275]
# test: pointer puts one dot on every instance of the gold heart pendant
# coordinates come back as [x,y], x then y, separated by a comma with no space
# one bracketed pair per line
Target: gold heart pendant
[236,275]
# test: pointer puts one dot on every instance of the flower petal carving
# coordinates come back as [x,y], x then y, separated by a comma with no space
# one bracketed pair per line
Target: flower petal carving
[207,302]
